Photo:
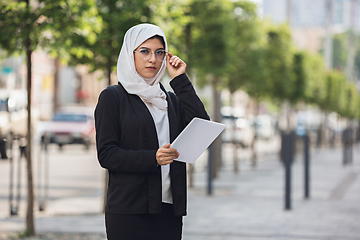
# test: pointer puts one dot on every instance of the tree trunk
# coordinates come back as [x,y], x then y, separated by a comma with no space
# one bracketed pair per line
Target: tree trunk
[56,84]
[233,136]
[190,175]
[30,227]
[253,143]
[325,130]
[217,118]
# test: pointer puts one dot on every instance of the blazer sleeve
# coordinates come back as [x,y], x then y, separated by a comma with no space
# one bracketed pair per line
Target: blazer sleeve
[191,103]
[108,134]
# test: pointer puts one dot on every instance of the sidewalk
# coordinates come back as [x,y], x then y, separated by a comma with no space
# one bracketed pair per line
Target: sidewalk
[250,204]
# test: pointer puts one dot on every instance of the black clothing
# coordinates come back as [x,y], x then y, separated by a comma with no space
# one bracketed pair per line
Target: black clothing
[144,226]
[126,142]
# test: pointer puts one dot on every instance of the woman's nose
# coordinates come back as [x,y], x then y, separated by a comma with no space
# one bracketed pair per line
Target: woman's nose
[152,57]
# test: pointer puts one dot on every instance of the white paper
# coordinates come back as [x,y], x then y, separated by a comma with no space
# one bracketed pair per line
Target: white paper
[196,138]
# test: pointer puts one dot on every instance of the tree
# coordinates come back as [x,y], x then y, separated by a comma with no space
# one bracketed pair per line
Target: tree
[117,17]
[246,68]
[309,78]
[26,26]
[279,59]
[210,29]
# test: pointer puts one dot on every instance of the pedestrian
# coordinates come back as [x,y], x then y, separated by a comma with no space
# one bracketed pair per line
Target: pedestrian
[136,121]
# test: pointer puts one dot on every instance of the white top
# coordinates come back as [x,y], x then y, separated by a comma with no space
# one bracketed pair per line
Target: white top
[161,121]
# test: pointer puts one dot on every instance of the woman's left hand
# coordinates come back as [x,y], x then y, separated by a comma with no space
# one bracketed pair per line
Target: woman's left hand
[175,65]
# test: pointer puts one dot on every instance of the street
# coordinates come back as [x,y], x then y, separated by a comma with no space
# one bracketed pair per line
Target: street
[75,182]
[246,205]
[76,178]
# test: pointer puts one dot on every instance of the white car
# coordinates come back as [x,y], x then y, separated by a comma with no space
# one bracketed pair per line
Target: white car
[239,130]
[13,117]
[264,127]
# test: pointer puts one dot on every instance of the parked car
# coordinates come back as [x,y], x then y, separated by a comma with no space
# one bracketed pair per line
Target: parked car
[264,126]
[69,128]
[13,118]
[237,129]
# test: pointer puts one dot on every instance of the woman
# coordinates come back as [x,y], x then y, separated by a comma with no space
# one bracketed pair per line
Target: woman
[136,121]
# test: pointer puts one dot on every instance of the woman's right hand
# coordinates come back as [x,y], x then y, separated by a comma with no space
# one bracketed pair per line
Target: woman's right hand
[165,155]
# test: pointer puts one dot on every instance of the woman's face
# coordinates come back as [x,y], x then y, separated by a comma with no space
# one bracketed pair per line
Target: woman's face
[148,68]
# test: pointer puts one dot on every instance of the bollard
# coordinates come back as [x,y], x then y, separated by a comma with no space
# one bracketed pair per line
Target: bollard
[350,160]
[13,210]
[288,158]
[43,175]
[306,166]
[15,202]
[347,146]
[209,186]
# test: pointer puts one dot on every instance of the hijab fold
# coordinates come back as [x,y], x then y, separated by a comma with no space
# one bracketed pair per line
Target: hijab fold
[148,89]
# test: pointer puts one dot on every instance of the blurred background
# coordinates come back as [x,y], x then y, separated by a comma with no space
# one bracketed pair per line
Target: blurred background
[264,68]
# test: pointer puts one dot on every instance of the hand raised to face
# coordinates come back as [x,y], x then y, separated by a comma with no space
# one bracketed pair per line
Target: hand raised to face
[175,65]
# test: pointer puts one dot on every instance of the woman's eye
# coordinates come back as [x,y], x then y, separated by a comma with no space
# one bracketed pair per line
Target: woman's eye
[160,52]
[144,51]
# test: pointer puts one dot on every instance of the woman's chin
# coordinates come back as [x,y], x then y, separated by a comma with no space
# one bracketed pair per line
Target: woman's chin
[148,75]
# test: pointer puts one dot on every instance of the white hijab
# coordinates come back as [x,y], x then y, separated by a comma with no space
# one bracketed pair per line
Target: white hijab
[148,89]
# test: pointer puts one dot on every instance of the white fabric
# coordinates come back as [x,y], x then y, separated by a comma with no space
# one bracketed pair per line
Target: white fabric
[147,89]
[162,128]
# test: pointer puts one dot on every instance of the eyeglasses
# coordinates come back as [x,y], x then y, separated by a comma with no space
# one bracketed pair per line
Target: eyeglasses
[146,53]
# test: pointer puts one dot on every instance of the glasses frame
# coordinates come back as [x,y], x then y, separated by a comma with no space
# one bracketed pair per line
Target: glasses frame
[151,53]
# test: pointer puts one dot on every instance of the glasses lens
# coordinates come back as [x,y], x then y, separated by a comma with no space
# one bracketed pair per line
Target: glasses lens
[145,53]
[160,54]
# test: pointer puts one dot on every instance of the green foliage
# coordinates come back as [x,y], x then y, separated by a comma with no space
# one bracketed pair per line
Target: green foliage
[117,17]
[52,25]
[175,19]
[351,96]
[279,60]
[335,97]
[209,37]
[340,50]
[23,234]
[246,54]
[309,78]
[218,39]
[18,23]
[316,89]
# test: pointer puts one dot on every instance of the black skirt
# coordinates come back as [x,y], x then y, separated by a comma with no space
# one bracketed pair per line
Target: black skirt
[144,226]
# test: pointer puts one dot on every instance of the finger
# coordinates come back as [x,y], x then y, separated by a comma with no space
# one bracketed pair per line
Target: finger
[178,61]
[166,145]
[168,156]
[174,59]
[167,151]
[165,163]
[167,159]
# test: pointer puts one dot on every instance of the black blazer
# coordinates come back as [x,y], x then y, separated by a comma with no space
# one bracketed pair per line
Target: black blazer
[126,142]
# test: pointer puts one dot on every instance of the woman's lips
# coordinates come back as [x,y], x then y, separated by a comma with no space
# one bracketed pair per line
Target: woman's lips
[151,68]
